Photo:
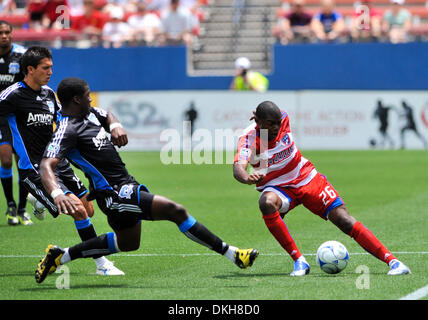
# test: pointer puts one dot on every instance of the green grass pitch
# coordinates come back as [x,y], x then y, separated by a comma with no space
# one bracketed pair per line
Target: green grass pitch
[385,190]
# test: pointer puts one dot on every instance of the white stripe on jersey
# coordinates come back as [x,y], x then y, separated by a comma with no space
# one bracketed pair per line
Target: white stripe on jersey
[8,90]
[53,147]
[280,181]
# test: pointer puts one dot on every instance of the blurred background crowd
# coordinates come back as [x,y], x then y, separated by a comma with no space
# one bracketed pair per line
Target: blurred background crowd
[117,23]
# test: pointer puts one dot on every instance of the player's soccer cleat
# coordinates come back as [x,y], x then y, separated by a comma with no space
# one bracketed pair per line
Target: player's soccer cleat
[301,268]
[49,263]
[398,268]
[108,269]
[39,208]
[24,219]
[11,215]
[244,258]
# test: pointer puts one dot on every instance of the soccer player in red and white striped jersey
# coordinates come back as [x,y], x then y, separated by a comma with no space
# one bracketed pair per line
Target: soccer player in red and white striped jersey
[286,179]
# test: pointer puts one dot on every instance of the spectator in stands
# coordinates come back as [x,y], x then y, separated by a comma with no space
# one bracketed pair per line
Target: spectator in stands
[328,24]
[35,11]
[116,32]
[7,7]
[145,26]
[397,22]
[366,23]
[246,79]
[295,26]
[176,25]
[91,23]
[56,14]
[76,7]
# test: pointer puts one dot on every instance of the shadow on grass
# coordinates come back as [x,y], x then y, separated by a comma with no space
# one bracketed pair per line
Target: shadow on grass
[236,275]
[50,286]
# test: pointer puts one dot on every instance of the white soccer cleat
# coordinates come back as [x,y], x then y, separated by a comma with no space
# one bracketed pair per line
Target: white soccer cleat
[108,269]
[39,208]
[398,268]
[301,268]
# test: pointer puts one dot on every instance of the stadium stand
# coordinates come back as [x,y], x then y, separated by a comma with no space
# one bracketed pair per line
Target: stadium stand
[226,29]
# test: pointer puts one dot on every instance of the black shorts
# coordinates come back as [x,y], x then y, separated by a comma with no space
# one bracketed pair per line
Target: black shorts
[67,180]
[5,133]
[126,207]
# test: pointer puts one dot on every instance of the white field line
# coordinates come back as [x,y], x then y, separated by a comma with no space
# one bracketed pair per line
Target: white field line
[416,295]
[208,254]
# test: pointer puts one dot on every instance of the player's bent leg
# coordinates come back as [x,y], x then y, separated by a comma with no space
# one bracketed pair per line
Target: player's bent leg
[366,239]
[165,209]
[341,218]
[129,239]
[88,205]
[272,203]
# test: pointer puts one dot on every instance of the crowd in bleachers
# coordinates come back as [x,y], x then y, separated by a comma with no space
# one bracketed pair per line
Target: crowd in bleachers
[359,21]
[116,23]
[111,23]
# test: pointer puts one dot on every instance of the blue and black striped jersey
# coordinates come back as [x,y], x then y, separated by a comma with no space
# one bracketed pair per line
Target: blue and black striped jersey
[31,115]
[83,140]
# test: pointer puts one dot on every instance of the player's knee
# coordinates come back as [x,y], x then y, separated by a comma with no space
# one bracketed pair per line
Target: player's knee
[268,205]
[80,213]
[6,162]
[342,219]
[178,212]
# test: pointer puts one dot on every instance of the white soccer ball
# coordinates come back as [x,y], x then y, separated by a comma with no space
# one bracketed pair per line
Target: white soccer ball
[332,257]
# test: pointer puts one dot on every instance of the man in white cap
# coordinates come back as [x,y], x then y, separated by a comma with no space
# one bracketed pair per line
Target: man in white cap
[247,80]
[397,22]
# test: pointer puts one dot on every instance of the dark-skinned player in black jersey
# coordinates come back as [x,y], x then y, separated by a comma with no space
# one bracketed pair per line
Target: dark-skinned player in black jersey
[81,137]
[10,73]
[31,108]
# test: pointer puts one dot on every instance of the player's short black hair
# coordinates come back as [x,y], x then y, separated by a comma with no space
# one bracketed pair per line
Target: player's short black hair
[33,56]
[69,88]
[267,109]
[6,23]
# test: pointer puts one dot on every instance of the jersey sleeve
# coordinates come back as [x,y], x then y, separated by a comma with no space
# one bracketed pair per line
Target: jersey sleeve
[62,142]
[246,148]
[102,116]
[6,104]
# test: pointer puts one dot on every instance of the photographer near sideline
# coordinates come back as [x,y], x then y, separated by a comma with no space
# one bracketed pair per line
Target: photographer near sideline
[247,80]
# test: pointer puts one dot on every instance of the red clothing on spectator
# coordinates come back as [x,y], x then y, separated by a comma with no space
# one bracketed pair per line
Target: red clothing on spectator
[51,6]
[95,19]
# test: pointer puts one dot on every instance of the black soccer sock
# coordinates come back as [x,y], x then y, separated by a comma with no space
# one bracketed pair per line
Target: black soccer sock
[23,193]
[200,234]
[7,183]
[86,231]
[102,245]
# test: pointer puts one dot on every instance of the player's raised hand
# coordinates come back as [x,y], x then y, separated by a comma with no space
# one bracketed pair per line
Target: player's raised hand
[119,137]
[255,178]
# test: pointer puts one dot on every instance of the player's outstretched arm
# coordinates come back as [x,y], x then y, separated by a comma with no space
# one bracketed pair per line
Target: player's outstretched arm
[64,204]
[240,173]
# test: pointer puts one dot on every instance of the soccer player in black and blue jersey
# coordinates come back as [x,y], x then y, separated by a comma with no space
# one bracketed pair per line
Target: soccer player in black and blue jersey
[10,73]
[81,136]
[31,109]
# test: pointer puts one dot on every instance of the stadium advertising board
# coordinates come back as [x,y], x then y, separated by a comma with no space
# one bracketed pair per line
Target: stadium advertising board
[331,120]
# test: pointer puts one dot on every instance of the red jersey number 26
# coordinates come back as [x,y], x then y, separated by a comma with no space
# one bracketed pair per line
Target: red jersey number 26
[327,194]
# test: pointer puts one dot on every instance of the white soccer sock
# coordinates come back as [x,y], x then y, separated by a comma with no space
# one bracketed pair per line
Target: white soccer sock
[230,253]
[65,257]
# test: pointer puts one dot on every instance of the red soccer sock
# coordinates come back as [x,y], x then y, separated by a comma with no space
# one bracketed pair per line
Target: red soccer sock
[366,239]
[279,230]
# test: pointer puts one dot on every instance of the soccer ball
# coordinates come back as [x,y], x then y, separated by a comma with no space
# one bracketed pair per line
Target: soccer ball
[332,257]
